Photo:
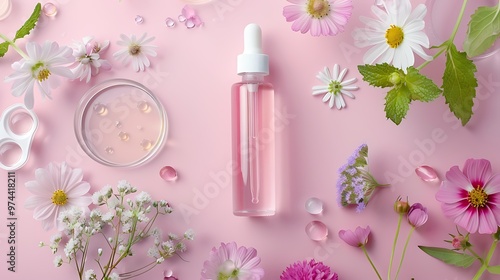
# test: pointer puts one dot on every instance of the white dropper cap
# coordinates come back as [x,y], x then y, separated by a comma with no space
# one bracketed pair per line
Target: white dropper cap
[252,60]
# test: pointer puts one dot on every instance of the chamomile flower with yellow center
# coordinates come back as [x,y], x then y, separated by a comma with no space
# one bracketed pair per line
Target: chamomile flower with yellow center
[395,35]
[335,87]
[320,17]
[41,65]
[136,50]
[56,189]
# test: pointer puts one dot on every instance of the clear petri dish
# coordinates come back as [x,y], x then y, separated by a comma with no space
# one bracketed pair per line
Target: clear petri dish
[5,8]
[440,21]
[120,123]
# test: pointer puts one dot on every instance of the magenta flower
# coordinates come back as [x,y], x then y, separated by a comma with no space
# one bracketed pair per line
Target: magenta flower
[321,17]
[232,262]
[471,197]
[357,238]
[308,270]
[417,215]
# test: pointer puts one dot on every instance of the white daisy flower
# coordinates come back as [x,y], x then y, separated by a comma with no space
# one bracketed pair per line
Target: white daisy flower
[88,58]
[395,35]
[136,50]
[37,68]
[334,87]
[56,189]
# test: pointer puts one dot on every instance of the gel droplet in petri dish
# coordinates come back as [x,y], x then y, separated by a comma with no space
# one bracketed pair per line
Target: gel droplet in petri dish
[170,22]
[144,106]
[182,18]
[118,124]
[100,109]
[109,150]
[146,144]
[314,206]
[168,173]
[5,8]
[190,24]
[124,136]
[49,9]
[20,122]
[317,230]
[139,19]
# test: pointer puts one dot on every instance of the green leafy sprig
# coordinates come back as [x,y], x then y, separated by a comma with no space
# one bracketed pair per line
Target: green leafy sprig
[467,256]
[459,81]
[22,32]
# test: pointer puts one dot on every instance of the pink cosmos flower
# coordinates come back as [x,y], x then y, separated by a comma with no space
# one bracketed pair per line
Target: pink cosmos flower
[232,262]
[321,17]
[417,215]
[472,197]
[357,238]
[308,270]
[56,189]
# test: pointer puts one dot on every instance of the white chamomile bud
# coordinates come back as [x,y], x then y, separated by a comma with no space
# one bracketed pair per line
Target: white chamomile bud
[189,234]
[58,261]
[41,244]
[160,260]
[99,252]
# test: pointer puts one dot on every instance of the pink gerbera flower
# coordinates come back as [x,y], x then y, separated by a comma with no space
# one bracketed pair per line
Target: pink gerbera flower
[321,17]
[471,197]
[232,263]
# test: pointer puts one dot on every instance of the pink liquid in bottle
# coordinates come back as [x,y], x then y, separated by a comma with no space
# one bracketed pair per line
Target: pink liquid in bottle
[253,140]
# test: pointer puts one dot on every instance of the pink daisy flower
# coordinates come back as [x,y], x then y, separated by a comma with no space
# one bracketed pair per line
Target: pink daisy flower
[308,270]
[232,262]
[472,197]
[321,17]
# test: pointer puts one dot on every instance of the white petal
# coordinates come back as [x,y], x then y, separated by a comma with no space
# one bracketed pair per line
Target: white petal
[347,93]
[374,53]
[348,82]
[342,75]
[335,73]
[327,97]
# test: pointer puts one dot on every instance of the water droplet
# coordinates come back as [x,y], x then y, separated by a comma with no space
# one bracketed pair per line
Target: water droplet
[20,122]
[168,173]
[255,200]
[123,136]
[427,173]
[144,106]
[146,144]
[170,22]
[49,9]
[100,109]
[139,19]
[118,124]
[109,150]
[168,273]
[314,206]
[317,230]
[182,18]
[190,24]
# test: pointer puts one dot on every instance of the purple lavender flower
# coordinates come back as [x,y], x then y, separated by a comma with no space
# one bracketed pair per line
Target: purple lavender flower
[308,270]
[356,185]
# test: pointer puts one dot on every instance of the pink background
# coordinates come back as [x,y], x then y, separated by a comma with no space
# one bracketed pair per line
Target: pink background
[192,76]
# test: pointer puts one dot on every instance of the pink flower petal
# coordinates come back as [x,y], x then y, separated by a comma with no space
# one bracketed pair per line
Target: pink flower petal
[426,173]
[478,171]
[457,178]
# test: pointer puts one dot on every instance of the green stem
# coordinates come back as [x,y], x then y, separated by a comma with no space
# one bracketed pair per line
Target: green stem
[404,251]
[444,47]
[486,262]
[475,255]
[394,246]
[14,46]
[370,260]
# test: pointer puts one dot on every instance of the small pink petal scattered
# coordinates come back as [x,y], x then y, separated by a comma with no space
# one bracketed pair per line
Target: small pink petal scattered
[427,173]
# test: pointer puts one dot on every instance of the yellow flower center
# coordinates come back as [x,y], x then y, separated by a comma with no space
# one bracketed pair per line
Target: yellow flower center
[394,36]
[134,49]
[40,74]
[334,87]
[59,198]
[477,197]
[318,8]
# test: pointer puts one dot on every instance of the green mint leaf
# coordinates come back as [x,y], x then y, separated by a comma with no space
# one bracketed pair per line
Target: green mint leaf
[449,256]
[4,47]
[378,75]
[29,24]
[459,83]
[397,103]
[494,269]
[483,30]
[421,87]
